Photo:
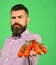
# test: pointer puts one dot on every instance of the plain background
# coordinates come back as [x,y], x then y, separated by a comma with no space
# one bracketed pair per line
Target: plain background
[42,15]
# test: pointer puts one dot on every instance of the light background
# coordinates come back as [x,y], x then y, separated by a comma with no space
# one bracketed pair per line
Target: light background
[42,15]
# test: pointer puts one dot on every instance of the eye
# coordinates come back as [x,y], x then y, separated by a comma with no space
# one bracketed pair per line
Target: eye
[20,16]
[13,17]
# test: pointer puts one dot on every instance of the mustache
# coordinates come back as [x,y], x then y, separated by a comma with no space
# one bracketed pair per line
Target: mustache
[16,24]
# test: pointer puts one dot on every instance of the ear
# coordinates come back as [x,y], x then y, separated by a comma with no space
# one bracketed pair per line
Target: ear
[28,19]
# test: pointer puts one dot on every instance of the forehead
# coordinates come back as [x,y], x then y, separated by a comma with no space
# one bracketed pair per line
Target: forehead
[18,12]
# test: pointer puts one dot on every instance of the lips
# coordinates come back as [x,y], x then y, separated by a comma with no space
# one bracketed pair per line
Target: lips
[16,25]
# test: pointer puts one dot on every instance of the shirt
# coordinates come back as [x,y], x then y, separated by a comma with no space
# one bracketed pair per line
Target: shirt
[11,47]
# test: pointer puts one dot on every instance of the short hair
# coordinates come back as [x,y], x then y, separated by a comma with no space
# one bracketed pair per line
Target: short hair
[19,7]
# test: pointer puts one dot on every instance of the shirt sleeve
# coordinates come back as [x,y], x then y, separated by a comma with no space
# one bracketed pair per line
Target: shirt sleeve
[3,53]
[37,37]
[34,59]
[4,48]
[0,53]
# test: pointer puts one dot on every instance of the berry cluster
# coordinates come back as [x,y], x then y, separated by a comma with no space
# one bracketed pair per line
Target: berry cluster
[25,50]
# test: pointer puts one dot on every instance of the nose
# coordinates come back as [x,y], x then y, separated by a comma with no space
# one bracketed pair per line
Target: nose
[16,19]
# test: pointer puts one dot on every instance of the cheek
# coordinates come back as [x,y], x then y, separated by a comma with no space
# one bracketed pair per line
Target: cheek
[23,22]
[12,21]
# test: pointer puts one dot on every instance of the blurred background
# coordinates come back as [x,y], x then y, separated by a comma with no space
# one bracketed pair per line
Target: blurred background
[42,15]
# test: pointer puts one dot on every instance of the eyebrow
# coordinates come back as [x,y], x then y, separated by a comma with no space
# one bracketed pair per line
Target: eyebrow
[17,16]
[20,16]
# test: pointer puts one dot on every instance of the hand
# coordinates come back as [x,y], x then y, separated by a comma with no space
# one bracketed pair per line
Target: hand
[32,52]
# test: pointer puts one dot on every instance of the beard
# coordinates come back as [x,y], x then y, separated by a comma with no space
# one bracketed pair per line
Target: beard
[17,29]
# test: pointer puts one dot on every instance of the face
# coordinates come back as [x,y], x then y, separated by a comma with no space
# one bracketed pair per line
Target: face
[19,20]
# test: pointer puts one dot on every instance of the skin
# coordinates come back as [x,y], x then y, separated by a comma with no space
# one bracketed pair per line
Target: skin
[19,17]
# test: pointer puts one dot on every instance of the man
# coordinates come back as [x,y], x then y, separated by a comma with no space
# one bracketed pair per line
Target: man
[20,33]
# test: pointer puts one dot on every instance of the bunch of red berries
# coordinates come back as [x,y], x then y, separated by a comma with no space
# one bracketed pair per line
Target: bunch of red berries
[33,44]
